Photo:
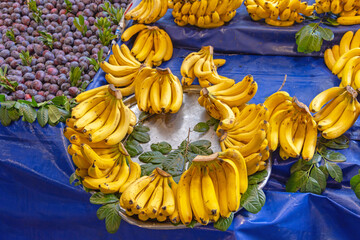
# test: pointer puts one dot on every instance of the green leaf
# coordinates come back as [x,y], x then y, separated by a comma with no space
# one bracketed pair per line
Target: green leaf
[54,114]
[143,116]
[59,100]
[102,212]
[72,178]
[152,157]
[296,180]
[331,22]
[147,168]
[201,127]
[316,159]
[257,177]
[141,128]
[42,116]
[162,147]
[342,140]
[334,171]
[177,178]
[2,98]
[312,186]
[174,163]
[199,149]
[8,104]
[319,176]
[202,143]
[13,114]
[101,198]
[298,165]
[354,181]
[250,199]
[262,197]
[141,137]
[113,218]
[190,156]
[212,121]
[28,112]
[326,34]
[325,172]
[357,191]
[332,156]
[216,125]
[224,223]
[192,224]
[133,147]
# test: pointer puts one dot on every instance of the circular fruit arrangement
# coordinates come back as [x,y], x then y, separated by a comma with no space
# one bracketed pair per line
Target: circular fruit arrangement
[51,48]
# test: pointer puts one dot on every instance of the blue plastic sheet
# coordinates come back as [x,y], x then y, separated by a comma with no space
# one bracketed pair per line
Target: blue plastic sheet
[37,201]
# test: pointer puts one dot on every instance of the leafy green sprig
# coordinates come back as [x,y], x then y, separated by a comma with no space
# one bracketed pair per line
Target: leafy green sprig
[49,112]
[25,58]
[355,184]
[311,176]
[35,11]
[5,82]
[47,39]
[102,23]
[115,14]
[96,62]
[68,6]
[79,23]
[10,34]
[106,36]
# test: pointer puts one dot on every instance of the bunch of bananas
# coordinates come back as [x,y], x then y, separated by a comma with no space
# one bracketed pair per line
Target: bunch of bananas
[340,112]
[291,126]
[203,13]
[159,92]
[122,69]
[248,136]
[203,66]
[349,10]
[212,187]
[344,59]
[152,44]
[280,13]
[234,96]
[151,197]
[101,116]
[148,11]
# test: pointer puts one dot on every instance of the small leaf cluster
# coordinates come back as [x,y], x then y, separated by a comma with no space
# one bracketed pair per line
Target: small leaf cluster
[96,62]
[36,13]
[79,23]
[171,160]
[106,36]
[49,112]
[310,37]
[311,176]
[47,39]
[5,82]
[254,199]
[68,6]
[25,58]
[115,14]
[139,135]
[75,77]
[205,126]
[355,184]
[10,34]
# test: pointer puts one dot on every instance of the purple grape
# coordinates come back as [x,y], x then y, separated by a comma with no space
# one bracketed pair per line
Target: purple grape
[32,92]
[49,97]
[73,91]
[26,69]
[19,94]
[65,86]
[39,98]
[53,88]
[46,86]
[29,76]
[37,85]
[21,87]
[40,75]
[59,93]
[25,20]
[52,71]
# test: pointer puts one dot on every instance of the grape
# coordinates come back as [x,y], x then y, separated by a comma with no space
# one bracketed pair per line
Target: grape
[26,69]
[49,97]
[38,49]
[59,93]
[39,98]
[78,35]
[21,87]
[19,94]
[73,91]
[40,75]
[77,42]
[74,64]
[53,88]
[9,44]
[52,71]
[49,56]
[29,76]
[65,86]
[69,40]
[32,92]
[15,63]
[37,85]
[15,54]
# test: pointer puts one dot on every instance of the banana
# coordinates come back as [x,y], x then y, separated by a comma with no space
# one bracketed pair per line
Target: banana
[222,181]
[121,81]
[127,54]
[95,172]
[166,94]
[120,179]
[300,134]
[183,197]
[131,31]
[80,161]
[153,207]
[286,137]
[176,93]
[168,204]
[345,42]
[122,126]
[169,45]
[159,55]
[209,194]
[329,58]
[336,52]
[349,20]
[135,172]
[329,107]
[232,185]
[143,94]
[82,108]
[117,71]
[100,121]
[81,172]
[146,195]
[228,117]
[140,41]
[130,193]
[196,198]
[93,183]
[91,156]
[343,59]
[347,72]
[334,116]
[90,93]
[324,97]
[310,140]
[188,62]
[144,52]
[355,42]
[155,93]
[90,116]
[121,59]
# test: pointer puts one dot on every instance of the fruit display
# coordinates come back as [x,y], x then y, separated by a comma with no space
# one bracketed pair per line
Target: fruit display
[151,197]
[152,44]
[148,11]
[40,45]
[348,11]
[344,59]
[159,92]
[336,110]
[248,136]
[203,66]
[101,116]
[292,127]
[204,14]
[279,13]
[211,187]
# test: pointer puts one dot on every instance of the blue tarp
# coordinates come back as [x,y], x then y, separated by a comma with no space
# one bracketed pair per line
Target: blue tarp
[37,201]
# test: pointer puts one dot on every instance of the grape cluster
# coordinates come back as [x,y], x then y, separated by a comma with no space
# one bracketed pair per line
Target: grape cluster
[48,73]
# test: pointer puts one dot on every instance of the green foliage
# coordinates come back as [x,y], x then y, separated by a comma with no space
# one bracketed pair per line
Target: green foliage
[106,36]
[10,34]
[115,14]
[47,39]
[5,82]
[36,13]
[96,62]
[75,76]
[79,23]
[102,23]
[68,6]
[25,58]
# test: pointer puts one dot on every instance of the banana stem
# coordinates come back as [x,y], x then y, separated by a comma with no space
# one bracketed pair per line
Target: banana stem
[283,83]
